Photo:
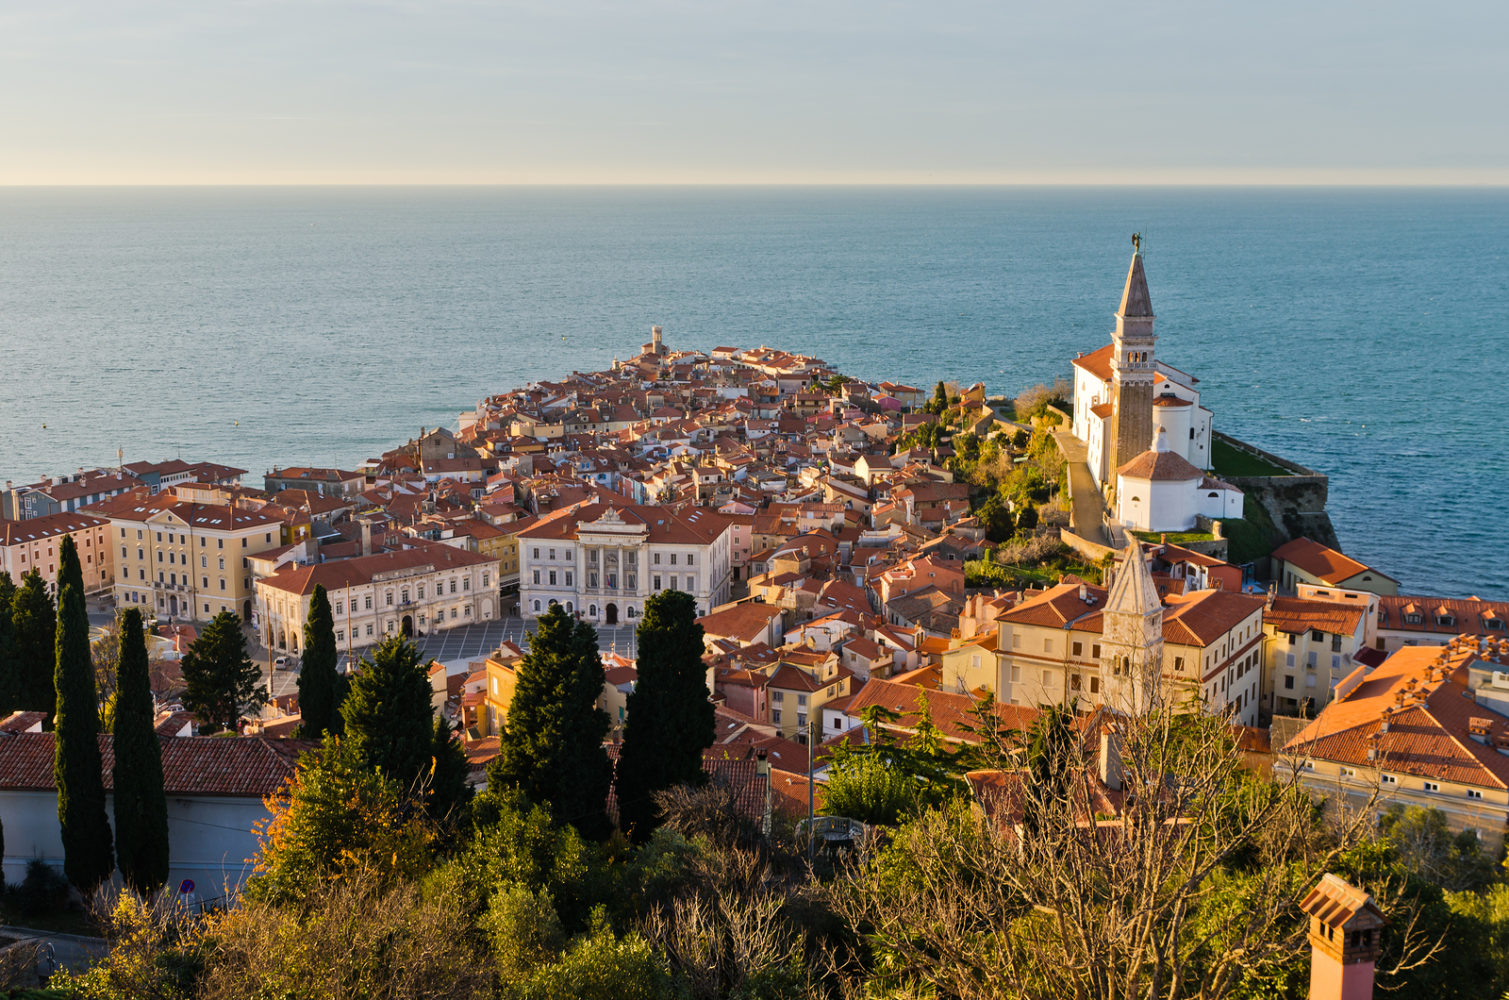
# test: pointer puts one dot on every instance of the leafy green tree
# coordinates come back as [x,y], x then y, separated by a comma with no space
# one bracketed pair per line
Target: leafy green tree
[995,517]
[389,722]
[1426,846]
[34,620]
[77,769]
[552,743]
[670,719]
[449,792]
[10,665]
[885,780]
[338,818]
[141,805]
[321,687]
[221,682]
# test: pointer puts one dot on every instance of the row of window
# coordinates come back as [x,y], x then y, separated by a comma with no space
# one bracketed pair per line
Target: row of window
[184,539]
[1392,781]
[630,557]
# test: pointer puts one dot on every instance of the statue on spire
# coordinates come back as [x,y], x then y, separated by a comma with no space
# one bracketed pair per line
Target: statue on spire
[1136,242]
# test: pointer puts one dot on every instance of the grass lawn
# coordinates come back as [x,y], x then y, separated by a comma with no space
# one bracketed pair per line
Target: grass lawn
[1253,537]
[1228,461]
[1175,537]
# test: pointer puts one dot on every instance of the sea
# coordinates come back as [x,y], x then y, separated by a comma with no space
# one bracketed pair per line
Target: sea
[1360,332]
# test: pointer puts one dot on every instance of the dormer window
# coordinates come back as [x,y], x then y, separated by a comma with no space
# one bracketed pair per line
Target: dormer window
[1412,619]
[1446,620]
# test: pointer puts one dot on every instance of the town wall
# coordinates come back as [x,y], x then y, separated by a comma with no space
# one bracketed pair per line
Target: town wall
[1295,503]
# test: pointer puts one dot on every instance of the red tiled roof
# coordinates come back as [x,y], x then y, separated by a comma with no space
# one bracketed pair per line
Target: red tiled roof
[1321,562]
[1300,614]
[241,767]
[1421,692]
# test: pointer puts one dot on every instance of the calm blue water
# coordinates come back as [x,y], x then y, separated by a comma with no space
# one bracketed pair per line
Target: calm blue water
[1363,333]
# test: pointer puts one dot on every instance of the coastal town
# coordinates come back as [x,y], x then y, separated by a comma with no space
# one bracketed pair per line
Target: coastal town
[867,560]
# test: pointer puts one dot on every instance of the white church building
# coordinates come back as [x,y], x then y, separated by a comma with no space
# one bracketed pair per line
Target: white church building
[1146,434]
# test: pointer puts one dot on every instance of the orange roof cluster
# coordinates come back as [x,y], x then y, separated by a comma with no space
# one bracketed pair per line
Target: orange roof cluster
[1413,714]
[1300,614]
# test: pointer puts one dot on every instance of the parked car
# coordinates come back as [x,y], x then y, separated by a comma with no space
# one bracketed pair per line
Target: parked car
[281,663]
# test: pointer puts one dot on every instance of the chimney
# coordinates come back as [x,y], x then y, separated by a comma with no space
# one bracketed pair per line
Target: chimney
[366,537]
[1110,760]
[1346,930]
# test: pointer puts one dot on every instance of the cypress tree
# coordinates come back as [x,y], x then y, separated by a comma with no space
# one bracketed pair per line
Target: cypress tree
[551,748]
[670,719]
[35,621]
[9,664]
[220,681]
[449,793]
[141,805]
[387,714]
[321,687]
[77,770]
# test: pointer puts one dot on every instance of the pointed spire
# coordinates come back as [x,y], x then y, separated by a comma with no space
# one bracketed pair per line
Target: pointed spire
[1133,590]
[1135,303]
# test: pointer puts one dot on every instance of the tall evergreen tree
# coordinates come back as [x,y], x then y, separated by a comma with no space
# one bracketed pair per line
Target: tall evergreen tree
[321,687]
[9,662]
[77,769]
[449,794]
[387,715]
[670,719]
[34,619]
[551,748]
[220,681]
[141,805]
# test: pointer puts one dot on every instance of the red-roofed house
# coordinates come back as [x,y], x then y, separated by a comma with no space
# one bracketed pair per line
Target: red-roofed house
[215,787]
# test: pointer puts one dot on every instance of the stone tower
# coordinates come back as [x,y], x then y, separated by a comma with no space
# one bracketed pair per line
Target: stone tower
[1132,370]
[1131,647]
[1346,932]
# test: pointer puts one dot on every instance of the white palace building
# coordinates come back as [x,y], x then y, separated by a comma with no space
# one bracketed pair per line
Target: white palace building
[1141,420]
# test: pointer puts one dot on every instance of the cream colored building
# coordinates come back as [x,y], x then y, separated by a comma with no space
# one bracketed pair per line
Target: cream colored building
[1428,727]
[414,591]
[1085,646]
[1309,650]
[33,545]
[183,560]
[603,561]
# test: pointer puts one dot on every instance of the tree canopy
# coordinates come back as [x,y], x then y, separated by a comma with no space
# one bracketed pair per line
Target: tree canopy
[670,717]
[551,748]
[77,767]
[141,806]
[34,620]
[321,687]
[221,683]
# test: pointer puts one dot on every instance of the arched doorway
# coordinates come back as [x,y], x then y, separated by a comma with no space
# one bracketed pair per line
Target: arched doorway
[407,627]
[611,614]
[246,611]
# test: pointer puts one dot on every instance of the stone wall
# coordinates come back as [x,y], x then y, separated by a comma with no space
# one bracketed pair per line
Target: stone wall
[1296,503]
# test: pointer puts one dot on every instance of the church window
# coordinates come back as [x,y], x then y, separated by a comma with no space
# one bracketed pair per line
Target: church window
[1079,648]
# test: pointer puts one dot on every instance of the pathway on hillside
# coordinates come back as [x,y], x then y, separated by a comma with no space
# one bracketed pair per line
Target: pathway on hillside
[1088,505]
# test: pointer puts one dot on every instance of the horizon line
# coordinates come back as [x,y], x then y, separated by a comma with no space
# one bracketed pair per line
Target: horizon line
[1464,184]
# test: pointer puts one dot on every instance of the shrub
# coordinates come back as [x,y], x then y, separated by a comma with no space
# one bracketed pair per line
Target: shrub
[524,930]
[43,890]
[357,938]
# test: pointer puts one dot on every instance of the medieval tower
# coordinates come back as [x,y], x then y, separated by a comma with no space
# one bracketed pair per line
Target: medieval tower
[1131,649]
[1132,369]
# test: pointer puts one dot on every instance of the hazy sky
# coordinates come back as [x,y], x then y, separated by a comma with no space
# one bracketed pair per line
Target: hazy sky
[659,91]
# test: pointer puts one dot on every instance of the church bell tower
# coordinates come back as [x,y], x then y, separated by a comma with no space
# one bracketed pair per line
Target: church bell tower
[1132,369]
[1131,657]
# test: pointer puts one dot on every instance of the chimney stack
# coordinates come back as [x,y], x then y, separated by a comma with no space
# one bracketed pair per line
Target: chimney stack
[1346,930]
[366,537]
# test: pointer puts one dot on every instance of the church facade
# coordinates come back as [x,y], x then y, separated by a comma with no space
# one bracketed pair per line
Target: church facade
[1147,436]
